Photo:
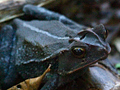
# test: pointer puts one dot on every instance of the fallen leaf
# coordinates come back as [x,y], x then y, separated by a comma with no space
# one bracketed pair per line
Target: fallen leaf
[32,83]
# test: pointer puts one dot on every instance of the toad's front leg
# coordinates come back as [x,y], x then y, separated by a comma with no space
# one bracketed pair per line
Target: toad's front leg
[51,84]
[57,80]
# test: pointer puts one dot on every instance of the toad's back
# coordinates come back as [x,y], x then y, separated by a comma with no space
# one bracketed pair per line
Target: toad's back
[40,39]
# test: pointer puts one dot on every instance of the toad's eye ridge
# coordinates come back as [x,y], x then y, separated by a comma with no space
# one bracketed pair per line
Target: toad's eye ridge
[78,52]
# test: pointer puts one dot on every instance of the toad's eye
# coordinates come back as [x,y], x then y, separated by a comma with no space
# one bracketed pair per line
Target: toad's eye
[78,52]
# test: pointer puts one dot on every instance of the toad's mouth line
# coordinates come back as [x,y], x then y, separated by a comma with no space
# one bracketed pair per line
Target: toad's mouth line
[81,67]
[70,72]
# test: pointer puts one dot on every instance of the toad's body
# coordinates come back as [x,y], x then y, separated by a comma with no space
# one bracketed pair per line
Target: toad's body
[57,41]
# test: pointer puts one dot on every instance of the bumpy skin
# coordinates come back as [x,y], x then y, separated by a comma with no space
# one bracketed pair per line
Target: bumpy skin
[99,45]
[7,61]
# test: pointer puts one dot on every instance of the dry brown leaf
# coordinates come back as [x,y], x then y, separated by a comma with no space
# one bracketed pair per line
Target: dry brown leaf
[32,83]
